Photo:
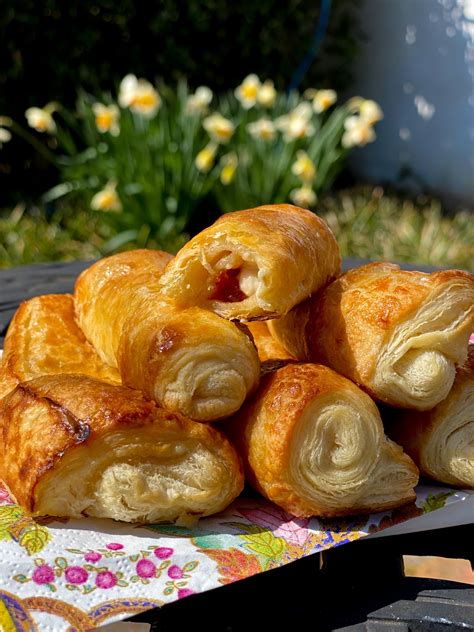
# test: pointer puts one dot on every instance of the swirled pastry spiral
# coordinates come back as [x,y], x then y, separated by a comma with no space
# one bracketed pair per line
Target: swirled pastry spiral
[75,446]
[400,335]
[188,360]
[313,443]
[441,440]
[254,264]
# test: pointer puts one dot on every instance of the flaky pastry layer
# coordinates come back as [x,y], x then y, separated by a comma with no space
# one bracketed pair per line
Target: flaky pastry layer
[313,443]
[75,446]
[188,360]
[254,264]
[398,334]
[44,339]
[441,440]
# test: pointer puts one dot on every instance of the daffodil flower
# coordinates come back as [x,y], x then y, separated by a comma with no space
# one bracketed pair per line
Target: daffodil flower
[303,167]
[40,119]
[198,102]
[267,94]
[370,111]
[230,163]
[247,92]
[139,95]
[106,118]
[304,196]
[5,136]
[358,132]
[219,128]
[107,199]
[297,123]
[323,99]
[264,129]
[205,158]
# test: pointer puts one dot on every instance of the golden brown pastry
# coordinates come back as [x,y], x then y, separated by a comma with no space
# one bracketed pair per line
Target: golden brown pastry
[75,446]
[313,443]
[190,361]
[441,440]
[108,292]
[43,339]
[398,334]
[268,348]
[254,264]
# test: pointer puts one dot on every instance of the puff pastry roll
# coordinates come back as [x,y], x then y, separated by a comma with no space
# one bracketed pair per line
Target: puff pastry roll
[441,440]
[254,264]
[313,443]
[268,348]
[75,446]
[190,361]
[43,339]
[400,335]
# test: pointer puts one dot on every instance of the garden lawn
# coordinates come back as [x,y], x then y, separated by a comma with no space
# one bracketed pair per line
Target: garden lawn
[368,223]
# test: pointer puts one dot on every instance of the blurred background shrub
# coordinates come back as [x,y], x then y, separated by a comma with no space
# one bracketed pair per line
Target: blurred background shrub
[49,48]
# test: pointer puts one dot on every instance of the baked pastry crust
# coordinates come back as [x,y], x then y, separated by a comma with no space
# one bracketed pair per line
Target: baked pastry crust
[188,360]
[268,348]
[441,440]
[108,292]
[400,335]
[313,443]
[44,339]
[75,446]
[254,264]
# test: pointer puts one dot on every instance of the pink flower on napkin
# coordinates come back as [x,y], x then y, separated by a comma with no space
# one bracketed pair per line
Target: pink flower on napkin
[43,574]
[184,592]
[175,572]
[105,579]
[76,574]
[146,569]
[92,556]
[163,552]
[282,524]
[114,546]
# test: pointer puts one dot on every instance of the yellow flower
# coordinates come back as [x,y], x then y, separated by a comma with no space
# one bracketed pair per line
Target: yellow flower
[304,167]
[107,199]
[264,129]
[198,102]
[370,111]
[304,196]
[106,118]
[41,119]
[323,99]
[248,90]
[5,136]
[297,123]
[139,95]
[267,94]
[205,158]
[219,128]
[358,132]
[230,162]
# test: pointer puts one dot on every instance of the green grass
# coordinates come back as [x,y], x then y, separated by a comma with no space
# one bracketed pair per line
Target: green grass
[371,223]
[368,223]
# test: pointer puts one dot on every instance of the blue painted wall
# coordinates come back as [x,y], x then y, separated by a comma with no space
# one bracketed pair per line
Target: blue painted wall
[418,63]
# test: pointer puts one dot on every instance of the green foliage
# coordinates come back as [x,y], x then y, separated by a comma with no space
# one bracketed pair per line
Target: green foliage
[152,164]
[368,222]
[49,48]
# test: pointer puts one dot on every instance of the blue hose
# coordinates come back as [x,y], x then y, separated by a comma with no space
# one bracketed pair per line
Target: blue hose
[319,33]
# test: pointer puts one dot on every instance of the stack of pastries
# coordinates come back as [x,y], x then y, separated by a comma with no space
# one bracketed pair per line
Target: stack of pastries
[150,393]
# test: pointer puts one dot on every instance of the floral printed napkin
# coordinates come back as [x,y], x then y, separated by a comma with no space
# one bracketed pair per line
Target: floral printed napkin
[80,574]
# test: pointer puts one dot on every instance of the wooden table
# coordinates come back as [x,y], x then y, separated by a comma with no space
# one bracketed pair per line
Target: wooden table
[357,587]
